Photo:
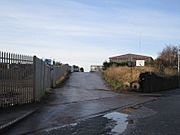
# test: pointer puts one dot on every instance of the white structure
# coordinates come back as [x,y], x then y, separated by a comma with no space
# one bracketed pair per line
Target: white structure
[140,63]
[96,68]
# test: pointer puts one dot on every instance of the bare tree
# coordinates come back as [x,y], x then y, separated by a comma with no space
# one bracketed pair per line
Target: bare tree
[168,57]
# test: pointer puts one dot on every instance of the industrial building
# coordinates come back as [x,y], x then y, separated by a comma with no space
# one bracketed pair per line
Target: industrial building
[133,58]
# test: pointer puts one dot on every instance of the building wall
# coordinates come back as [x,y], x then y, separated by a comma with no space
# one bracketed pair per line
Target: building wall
[129,57]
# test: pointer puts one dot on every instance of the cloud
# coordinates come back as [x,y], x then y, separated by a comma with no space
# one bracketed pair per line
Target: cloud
[83,30]
[124,23]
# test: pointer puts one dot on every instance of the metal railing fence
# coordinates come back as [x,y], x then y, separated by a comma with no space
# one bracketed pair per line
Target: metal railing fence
[24,79]
[16,79]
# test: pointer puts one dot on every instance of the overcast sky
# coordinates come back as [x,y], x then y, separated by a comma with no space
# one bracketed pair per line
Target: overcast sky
[86,32]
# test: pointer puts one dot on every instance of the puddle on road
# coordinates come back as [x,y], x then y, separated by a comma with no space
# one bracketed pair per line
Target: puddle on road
[121,120]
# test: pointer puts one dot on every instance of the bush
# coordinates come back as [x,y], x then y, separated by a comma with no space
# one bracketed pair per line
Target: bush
[106,64]
[82,69]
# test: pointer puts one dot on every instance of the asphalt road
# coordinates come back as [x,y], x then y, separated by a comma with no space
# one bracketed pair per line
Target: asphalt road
[157,117]
[78,107]
[160,117]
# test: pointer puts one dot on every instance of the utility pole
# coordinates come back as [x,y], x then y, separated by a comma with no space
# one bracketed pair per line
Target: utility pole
[140,42]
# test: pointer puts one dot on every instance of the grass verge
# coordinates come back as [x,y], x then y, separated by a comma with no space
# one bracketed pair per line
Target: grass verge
[120,78]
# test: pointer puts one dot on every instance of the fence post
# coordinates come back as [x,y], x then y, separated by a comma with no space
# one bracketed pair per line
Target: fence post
[34,78]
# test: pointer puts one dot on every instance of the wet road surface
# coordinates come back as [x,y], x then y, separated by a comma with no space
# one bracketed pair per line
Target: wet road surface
[160,117]
[157,117]
[83,96]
